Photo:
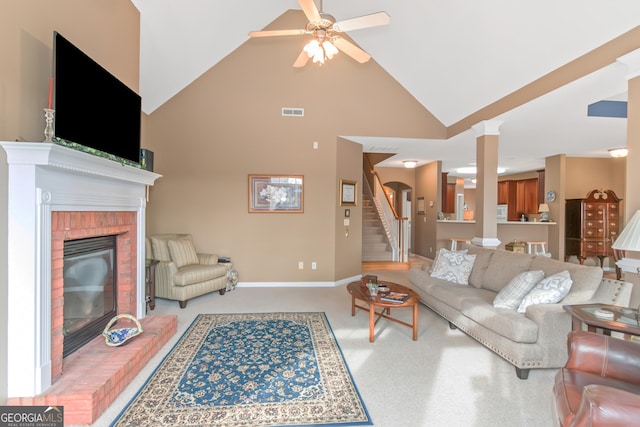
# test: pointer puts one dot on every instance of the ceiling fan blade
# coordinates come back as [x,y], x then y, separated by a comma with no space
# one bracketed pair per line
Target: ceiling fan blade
[310,10]
[270,33]
[302,60]
[366,21]
[350,49]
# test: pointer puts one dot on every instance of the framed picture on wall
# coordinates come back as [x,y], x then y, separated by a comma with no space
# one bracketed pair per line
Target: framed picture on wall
[276,193]
[348,193]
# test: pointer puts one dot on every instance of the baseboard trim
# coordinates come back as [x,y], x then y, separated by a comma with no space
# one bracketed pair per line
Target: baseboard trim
[385,265]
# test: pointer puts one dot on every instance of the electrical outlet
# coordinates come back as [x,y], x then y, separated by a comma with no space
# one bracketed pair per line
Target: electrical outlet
[300,265]
[314,265]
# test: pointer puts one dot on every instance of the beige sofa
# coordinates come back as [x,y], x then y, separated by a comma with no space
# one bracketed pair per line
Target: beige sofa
[536,338]
[182,273]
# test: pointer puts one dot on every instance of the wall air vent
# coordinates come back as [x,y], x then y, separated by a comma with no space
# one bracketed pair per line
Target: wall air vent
[293,112]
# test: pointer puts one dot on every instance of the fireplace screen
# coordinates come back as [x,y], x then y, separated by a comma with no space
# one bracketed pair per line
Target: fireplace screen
[89,276]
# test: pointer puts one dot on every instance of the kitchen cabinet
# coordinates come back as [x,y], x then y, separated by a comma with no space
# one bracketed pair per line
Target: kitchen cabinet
[521,197]
[503,192]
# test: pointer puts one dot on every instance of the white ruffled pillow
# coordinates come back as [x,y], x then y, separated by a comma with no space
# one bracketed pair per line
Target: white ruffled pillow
[434,265]
[454,267]
[549,290]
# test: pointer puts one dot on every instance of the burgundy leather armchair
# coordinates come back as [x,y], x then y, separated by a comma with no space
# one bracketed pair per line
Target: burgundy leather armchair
[600,383]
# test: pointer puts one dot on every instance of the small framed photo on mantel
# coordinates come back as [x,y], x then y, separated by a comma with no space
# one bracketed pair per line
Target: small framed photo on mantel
[348,193]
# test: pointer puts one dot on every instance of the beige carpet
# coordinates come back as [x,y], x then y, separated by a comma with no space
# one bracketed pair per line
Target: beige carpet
[443,379]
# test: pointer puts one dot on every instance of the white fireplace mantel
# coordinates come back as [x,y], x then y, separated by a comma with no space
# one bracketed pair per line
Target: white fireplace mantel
[42,178]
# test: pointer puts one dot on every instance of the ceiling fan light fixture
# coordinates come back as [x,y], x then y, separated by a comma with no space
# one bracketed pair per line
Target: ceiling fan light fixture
[320,49]
[324,28]
[618,152]
[329,49]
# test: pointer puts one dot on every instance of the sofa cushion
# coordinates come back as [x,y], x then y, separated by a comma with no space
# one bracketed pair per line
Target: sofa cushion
[586,279]
[504,322]
[549,290]
[511,295]
[454,267]
[160,249]
[183,252]
[196,274]
[455,295]
[423,280]
[503,267]
[483,257]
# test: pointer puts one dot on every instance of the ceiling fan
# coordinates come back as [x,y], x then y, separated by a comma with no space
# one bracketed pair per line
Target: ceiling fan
[324,28]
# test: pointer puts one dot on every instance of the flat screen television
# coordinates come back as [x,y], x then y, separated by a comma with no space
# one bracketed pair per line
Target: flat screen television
[92,107]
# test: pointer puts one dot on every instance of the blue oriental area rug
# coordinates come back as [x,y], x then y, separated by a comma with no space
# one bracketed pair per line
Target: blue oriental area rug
[267,369]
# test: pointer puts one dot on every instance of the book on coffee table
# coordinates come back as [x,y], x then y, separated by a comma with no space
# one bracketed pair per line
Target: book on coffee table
[398,297]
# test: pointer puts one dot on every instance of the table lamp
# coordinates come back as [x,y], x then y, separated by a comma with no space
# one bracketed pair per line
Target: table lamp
[629,239]
[544,212]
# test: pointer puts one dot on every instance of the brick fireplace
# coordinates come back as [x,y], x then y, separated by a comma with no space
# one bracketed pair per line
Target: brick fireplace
[55,194]
[79,225]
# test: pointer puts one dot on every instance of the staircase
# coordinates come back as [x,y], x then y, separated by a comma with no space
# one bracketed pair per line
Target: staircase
[375,245]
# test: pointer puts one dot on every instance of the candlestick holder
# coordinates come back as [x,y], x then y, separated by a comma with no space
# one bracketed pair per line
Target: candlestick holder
[49,114]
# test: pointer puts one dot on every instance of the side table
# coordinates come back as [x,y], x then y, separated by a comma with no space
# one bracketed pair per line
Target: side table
[624,320]
[232,273]
[150,282]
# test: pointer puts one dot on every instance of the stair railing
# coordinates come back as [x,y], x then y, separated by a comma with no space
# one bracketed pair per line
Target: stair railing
[393,224]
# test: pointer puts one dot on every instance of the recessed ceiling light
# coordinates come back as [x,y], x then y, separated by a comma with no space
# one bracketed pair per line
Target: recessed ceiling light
[618,152]
[410,163]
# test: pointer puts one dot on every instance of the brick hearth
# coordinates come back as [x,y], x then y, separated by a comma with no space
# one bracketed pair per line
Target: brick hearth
[96,374]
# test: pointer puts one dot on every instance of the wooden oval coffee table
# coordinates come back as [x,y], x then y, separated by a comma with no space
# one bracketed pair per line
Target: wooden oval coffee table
[359,291]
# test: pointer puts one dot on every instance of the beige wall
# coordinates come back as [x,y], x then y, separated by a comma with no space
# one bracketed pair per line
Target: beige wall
[227,124]
[427,179]
[347,242]
[586,174]
[109,32]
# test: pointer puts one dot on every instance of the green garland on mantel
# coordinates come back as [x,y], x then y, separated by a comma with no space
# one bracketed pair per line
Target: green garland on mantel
[89,150]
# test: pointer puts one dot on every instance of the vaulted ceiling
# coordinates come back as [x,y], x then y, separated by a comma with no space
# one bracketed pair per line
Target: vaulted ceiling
[456,57]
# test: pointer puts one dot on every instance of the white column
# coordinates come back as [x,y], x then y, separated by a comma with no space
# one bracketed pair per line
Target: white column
[487,183]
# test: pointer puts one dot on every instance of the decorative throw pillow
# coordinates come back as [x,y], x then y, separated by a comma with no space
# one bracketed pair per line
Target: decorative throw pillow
[160,249]
[182,252]
[549,290]
[434,265]
[511,295]
[454,267]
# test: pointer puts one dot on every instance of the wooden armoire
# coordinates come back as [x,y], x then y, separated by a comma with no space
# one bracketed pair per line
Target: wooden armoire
[592,224]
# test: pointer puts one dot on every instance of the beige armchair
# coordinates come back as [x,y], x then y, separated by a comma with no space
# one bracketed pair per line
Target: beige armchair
[182,273]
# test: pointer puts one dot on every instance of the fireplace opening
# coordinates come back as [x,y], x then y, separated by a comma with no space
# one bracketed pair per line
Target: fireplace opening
[89,283]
